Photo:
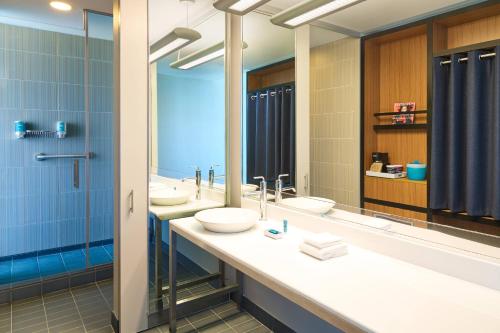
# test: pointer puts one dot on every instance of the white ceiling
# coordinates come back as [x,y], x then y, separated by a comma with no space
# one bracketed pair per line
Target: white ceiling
[38,14]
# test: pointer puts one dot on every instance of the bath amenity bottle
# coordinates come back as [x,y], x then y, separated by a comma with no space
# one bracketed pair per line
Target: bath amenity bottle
[20,129]
[61,129]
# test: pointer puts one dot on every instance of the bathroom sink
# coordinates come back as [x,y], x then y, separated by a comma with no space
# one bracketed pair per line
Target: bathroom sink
[312,204]
[156,186]
[227,220]
[168,196]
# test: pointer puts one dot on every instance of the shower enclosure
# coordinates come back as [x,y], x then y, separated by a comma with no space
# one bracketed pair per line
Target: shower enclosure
[56,211]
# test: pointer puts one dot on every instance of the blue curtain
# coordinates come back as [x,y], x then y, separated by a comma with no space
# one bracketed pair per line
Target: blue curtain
[465,155]
[271,134]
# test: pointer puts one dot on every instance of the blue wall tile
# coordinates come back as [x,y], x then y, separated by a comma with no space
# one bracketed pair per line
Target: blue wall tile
[41,82]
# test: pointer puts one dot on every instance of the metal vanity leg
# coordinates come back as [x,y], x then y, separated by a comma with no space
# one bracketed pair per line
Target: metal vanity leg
[238,296]
[222,272]
[172,280]
[158,263]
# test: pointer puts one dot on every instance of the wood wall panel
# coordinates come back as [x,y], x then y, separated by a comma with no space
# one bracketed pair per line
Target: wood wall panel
[403,72]
[478,31]
[421,217]
[404,191]
[404,146]
[371,99]
[272,75]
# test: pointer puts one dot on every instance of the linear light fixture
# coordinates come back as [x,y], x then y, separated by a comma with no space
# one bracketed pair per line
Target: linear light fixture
[308,11]
[239,7]
[202,56]
[176,39]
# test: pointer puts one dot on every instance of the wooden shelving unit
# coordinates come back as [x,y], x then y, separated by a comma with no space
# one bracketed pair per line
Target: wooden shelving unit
[398,68]
[383,114]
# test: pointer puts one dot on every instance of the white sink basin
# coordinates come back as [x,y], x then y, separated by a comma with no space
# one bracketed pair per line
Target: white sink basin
[312,204]
[156,186]
[168,196]
[227,220]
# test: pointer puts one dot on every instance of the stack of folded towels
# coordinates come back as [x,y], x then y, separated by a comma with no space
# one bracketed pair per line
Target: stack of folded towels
[323,246]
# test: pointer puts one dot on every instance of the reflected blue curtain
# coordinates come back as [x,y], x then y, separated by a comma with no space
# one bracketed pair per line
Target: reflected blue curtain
[465,172]
[271,134]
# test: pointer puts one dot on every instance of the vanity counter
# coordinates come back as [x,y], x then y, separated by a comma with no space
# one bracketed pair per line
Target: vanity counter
[362,291]
[164,213]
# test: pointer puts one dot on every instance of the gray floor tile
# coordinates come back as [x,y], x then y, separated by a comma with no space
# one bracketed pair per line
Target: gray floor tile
[106,329]
[216,327]
[68,318]
[260,329]
[237,319]
[247,326]
[76,326]
[34,327]
[205,321]
[28,321]
[225,307]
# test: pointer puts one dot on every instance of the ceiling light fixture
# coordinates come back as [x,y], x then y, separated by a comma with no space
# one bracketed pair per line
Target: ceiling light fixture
[59,5]
[239,7]
[176,39]
[202,56]
[309,11]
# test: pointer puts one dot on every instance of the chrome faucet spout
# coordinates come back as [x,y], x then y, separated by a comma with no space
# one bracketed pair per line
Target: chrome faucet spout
[263,198]
[278,196]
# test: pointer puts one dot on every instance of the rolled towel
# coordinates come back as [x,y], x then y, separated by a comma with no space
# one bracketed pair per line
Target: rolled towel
[325,253]
[322,240]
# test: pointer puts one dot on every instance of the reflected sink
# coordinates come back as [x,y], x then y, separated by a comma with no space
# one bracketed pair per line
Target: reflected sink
[227,220]
[168,196]
[312,204]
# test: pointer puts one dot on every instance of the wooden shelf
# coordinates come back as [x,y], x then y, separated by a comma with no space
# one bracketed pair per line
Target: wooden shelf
[381,114]
[399,126]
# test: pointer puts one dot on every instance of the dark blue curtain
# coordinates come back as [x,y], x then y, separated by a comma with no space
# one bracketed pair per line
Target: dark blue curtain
[270,129]
[465,155]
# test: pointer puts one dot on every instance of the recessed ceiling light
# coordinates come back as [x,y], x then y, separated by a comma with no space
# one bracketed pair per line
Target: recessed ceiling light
[309,11]
[59,5]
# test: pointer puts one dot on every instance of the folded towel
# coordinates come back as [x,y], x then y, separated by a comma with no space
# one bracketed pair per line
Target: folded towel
[322,240]
[325,253]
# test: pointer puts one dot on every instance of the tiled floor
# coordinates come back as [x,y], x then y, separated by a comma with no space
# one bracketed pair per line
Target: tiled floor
[224,318]
[34,267]
[82,309]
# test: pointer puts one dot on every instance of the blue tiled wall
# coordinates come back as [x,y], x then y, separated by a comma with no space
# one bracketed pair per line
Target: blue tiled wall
[41,82]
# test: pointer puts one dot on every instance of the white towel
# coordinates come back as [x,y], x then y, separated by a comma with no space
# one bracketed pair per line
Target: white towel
[325,253]
[322,240]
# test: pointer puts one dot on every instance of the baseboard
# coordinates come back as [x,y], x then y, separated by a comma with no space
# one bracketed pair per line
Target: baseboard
[115,323]
[265,318]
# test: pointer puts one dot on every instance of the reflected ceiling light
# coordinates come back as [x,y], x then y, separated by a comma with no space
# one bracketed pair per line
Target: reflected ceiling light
[308,11]
[202,56]
[59,5]
[176,39]
[239,7]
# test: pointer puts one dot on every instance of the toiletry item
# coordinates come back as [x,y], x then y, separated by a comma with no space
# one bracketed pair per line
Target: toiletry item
[285,226]
[326,253]
[61,129]
[273,233]
[416,170]
[403,119]
[404,107]
[379,157]
[20,129]
[395,168]
[386,174]
[322,240]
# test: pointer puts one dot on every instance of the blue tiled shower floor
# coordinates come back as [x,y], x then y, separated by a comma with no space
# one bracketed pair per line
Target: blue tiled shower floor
[40,266]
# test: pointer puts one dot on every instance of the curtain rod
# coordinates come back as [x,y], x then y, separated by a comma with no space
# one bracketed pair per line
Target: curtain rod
[481,56]
[272,93]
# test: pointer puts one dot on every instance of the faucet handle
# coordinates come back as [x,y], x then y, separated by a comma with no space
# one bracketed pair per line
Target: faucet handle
[283,176]
[260,177]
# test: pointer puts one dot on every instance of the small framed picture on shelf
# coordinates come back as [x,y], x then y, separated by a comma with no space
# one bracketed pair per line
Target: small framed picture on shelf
[404,107]
[403,119]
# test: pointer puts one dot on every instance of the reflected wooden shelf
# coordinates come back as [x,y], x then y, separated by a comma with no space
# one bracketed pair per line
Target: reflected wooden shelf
[381,114]
[399,126]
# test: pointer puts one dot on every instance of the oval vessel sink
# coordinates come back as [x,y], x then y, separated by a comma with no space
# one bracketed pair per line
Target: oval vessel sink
[227,220]
[168,197]
[312,204]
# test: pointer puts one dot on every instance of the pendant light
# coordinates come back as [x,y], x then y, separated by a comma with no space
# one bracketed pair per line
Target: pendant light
[309,11]
[238,7]
[175,40]
[202,56]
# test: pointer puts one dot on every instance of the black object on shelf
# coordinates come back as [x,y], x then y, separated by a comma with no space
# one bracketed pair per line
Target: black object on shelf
[380,114]
[400,126]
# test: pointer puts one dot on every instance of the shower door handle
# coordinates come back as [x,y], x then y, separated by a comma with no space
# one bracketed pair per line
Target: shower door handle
[76,174]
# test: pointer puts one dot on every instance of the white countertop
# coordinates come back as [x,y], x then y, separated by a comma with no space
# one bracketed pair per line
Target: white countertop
[362,291]
[191,207]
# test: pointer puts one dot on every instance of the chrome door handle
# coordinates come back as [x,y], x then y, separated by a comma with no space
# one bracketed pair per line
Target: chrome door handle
[131,202]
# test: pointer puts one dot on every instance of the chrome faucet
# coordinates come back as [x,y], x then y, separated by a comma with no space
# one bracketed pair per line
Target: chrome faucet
[212,176]
[279,188]
[197,179]
[263,198]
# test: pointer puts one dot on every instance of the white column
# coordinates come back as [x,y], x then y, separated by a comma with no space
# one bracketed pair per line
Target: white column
[233,68]
[302,109]
[130,304]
